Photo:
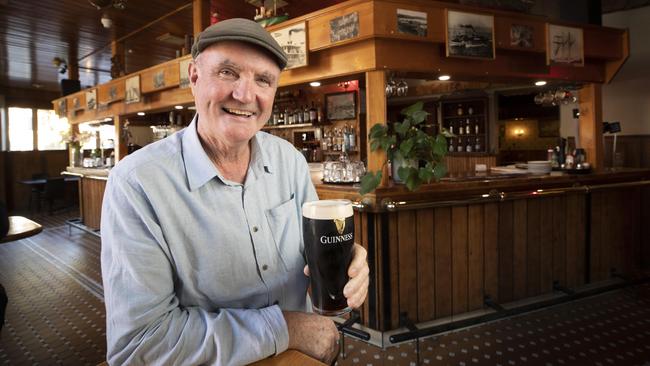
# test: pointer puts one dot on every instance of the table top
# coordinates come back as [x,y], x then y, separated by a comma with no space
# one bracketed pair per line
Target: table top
[289,357]
[34,182]
[20,228]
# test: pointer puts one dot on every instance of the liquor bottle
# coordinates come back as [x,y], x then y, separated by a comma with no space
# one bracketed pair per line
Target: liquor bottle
[299,115]
[287,116]
[451,128]
[477,147]
[319,114]
[451,145]
[461,130]
[468,130]
[476,128]
[353,138]
[459,147]
[468,147]
[276,116]
[313,114]
[305,114]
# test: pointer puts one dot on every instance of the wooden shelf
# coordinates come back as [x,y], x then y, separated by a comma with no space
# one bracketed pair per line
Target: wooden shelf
[298,125]
[339,153]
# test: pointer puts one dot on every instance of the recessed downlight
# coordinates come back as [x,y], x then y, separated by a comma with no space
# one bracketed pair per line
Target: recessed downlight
[540,83]
[141,113]
[444,77]
[314,83]
[178,107]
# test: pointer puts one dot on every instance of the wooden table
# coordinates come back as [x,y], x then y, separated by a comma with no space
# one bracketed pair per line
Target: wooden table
[288,357]
[21,228]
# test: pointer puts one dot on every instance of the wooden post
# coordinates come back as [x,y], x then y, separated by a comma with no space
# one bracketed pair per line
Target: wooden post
[376,113]
[590,123]
[200,15]
[120,148]
[117,52]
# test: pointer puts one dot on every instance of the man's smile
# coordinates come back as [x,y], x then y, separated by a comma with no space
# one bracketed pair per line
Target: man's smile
[238,112]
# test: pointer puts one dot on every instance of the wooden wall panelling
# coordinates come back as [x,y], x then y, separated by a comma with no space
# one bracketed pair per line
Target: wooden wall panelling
[631,228]
[393,245]
[21,165]
[596,242]
[459,254]
[559,239]
[425,265]
[103,91]
[520,250]
[442,255]
[408,295]
[491,250]
[546,245]
[361,227]
[505,243]
[575,239]
[475,235]
[533,250]
[613,246]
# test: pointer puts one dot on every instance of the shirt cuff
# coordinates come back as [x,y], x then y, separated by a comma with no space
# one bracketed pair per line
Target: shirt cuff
[275,320]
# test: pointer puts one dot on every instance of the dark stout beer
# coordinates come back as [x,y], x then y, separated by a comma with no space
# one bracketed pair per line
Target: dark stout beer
[328,230]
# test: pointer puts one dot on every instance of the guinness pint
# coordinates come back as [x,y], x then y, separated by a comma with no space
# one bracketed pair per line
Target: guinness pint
[328,231]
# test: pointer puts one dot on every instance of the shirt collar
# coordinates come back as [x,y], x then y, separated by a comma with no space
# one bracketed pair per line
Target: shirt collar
[200,169]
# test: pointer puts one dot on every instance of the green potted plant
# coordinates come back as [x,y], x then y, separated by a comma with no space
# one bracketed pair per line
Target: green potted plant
[406,142]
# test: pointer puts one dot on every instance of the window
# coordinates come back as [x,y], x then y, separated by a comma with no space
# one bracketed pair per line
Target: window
[50,129]
[21,133]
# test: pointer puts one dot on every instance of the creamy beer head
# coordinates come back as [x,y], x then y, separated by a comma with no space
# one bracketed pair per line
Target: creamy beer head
[328,233]
[327,209]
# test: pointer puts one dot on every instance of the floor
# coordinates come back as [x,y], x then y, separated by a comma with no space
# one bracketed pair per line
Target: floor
[56,317]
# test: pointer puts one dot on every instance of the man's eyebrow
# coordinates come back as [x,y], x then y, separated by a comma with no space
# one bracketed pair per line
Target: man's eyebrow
[268,76]
[226,63]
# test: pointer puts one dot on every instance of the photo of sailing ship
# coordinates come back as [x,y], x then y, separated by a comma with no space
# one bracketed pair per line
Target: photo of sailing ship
[470,35]
[412,22]
[293,41]
[564,45]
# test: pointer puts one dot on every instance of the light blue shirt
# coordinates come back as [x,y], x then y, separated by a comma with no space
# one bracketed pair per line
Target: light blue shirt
[195,267]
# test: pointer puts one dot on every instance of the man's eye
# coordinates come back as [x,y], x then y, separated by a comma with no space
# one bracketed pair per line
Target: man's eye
[263,82]
[227,73]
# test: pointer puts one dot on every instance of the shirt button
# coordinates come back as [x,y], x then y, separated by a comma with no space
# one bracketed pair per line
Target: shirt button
[255,229]
[265,267]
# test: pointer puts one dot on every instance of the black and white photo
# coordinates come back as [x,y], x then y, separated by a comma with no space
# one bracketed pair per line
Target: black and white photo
[293,40]
[412,22]
[341,106]
[344,27]
[564,45]
[159,79]
[470,35]
[132,89]
[521,36]
[91,99]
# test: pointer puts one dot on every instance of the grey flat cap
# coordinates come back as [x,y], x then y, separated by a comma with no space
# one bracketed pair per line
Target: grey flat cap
[243,30]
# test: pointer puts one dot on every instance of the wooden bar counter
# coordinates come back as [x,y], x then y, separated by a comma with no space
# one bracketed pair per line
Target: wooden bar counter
[91,193]
[440,251]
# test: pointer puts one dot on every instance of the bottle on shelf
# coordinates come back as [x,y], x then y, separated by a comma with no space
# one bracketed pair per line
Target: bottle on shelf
[476,130]
[451,145]
[461,130]
[451,128]
[319,114]
[299,115]
[468,130]
[459,147]
[305,114]
[352,138]
[468,147]
[313,114]
[477,146]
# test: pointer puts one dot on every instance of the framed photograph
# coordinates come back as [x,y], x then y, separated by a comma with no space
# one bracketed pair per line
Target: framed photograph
[344,27]
[548,128]
[91,99]
[341,106]
[63,107]
[159,79]
[412,22]
[132,89]
[521,36]
[564,45]
[293,40]
[470,35]
[183,72]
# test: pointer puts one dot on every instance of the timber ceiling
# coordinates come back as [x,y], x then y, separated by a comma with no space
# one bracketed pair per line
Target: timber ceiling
[34,32]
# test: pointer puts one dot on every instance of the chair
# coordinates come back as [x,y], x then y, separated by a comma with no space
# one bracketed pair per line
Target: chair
[37,191]
[54,191]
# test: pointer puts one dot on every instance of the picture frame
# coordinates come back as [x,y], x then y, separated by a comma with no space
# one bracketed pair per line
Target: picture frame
[412,22]
[132,85]
[184,74]
[564,45]
[159,79]
[469,35]
[521,36]
[341,106]
[344,27]
[293,40]
[91,99]
[63,107]
[548,128]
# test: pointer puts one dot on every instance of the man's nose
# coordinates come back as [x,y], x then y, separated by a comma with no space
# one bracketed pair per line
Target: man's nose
[244,90]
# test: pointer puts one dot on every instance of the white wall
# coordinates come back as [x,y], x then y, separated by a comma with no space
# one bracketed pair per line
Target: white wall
[627,97]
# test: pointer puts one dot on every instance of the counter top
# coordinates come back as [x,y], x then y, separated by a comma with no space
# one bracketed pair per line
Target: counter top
[88,172]
[462,186]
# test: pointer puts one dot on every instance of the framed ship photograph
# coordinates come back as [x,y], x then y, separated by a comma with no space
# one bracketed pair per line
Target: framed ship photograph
[132,89]
[469,35]
[293,40]
[183,72]
[344,27]
[91,99]
[63,107]
[412,22]
[341,106]
[564,45]
[521,36]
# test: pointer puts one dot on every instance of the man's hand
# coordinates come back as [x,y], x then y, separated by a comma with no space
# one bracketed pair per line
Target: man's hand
[313,335]
[357,287]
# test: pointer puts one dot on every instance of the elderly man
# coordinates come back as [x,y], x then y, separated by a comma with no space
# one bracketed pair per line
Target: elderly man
[202,253]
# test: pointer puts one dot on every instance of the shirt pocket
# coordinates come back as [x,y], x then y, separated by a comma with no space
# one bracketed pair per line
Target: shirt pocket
[284,224]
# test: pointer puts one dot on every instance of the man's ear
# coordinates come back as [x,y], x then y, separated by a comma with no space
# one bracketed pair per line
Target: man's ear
[193,74]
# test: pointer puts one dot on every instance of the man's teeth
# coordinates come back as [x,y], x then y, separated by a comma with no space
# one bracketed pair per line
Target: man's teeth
[239,112]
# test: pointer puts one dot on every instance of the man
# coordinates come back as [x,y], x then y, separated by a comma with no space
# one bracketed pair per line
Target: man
[202,253]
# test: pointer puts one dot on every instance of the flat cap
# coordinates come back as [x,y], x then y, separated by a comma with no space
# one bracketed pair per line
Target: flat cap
[243,30]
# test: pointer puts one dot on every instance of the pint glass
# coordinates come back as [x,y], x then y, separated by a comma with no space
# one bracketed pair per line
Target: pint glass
[328,232]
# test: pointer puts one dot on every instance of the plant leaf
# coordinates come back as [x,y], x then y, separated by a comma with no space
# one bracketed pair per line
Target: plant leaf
[440,146]
[419,116]
[378,131]
[369,182]
[375,144]
[425,174]
[412,181]
[412,108]
[405,148]
[439,171]
[402,128]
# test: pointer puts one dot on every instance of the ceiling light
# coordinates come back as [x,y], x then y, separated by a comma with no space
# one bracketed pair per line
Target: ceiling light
[540,83]
[178,107]
[191,108]
[444,77]
[141,113]
[314,83]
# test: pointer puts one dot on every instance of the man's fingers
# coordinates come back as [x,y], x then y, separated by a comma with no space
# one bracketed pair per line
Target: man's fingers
[306,270]
[357,282]
[359,297]
[358,260]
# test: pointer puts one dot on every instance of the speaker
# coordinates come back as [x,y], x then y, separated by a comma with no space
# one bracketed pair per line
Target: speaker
[69,86]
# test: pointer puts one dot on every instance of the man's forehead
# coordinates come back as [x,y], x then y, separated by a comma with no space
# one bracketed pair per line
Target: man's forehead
[237,54]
